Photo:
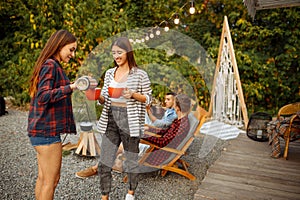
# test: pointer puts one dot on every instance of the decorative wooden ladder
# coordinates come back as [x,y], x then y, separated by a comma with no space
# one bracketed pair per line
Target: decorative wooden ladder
[227,101]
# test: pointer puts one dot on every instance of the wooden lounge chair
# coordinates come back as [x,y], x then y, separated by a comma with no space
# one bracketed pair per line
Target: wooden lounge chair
[292,132]
[196,119]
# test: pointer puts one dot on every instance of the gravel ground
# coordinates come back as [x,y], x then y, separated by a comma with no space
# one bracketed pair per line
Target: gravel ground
[18,168]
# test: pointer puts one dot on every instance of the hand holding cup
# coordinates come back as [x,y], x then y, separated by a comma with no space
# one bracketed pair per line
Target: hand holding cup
[127,93]
[93,94]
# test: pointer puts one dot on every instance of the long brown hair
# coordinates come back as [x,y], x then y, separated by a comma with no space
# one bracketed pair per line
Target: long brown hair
[55,43]
[124,43]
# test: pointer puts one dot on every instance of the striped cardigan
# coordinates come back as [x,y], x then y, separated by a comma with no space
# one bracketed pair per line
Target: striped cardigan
[138,81]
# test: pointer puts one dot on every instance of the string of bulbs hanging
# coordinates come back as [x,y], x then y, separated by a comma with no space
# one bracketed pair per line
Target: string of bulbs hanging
[166,24]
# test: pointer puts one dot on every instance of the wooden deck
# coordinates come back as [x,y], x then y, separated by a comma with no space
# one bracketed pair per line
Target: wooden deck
[245,170]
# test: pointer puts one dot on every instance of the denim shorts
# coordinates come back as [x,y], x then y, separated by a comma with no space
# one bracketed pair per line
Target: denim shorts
[41,141]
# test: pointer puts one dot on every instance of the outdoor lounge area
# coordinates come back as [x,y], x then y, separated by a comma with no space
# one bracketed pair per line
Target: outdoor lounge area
[242,166]
[81,78]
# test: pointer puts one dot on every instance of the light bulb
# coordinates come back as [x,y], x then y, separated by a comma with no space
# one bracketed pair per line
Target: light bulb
[192,7]
[157,32]
[151,35]
[147,37]
[176,19]
[192,10]
[166,28]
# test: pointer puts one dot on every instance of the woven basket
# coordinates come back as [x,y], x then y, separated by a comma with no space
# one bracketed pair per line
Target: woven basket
[257,126]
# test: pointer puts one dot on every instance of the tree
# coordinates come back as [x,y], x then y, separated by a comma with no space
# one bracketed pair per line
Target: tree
[267,48]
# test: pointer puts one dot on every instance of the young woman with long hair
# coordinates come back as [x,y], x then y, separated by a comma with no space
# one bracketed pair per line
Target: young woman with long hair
[50,112]
[125,94]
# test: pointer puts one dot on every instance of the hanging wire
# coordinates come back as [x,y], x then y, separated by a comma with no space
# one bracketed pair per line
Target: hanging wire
[166,23]
[176,15]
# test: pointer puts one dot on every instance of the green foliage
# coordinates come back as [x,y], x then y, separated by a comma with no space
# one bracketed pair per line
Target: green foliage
[267,48]
[268,57]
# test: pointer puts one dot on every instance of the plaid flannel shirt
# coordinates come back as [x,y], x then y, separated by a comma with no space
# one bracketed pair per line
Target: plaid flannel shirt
[50,110]
[171,137]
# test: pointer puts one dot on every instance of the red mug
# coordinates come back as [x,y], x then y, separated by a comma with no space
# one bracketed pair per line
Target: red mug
[115,92]
[93,94]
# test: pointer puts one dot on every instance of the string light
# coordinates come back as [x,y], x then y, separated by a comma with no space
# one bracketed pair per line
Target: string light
[164,24]
[176,18]
[192,8]
[157,32]
[166,28]
[151,35]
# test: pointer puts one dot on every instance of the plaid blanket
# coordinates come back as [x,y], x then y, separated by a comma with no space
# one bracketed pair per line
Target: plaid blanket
[277,128]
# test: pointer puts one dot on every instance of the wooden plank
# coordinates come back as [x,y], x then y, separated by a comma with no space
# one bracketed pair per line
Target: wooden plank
[85,144]
[253,5]
[212,193]
[274,172]
[252,191]
[257,175]
[269,4]
[241,191]
[263,149]
[252,181]
[253,165]
[254,150]
[234,193]
[78,150]
[245,170]
[267,162]
[97,146]
[92,144]
[210,109]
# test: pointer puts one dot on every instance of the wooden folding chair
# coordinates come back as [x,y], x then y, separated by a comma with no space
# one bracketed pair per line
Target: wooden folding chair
[196,119]
[291,113]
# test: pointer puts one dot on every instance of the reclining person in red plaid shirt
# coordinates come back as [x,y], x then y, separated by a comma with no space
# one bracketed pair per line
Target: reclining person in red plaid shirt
[165,121]
[171,137]
[174,134]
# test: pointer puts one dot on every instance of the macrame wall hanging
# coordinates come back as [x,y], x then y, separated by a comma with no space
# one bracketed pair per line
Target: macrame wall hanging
[227,100]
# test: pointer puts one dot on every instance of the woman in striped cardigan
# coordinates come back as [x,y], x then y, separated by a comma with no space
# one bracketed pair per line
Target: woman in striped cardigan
[125,93]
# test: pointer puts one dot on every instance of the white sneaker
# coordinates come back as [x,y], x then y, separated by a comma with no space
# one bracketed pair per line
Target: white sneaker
[129,197]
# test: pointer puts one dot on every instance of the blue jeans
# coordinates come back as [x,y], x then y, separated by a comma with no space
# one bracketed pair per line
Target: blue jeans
[41,141]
